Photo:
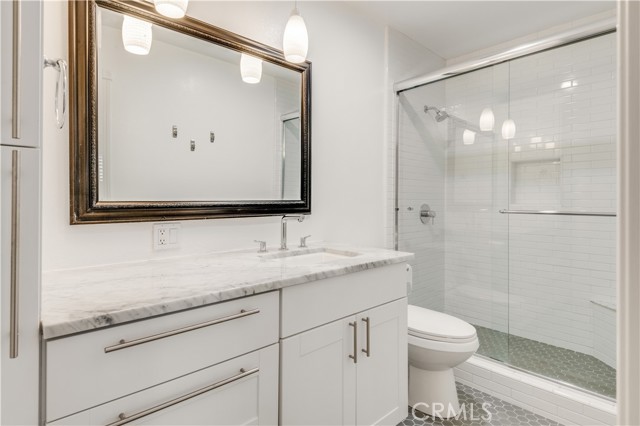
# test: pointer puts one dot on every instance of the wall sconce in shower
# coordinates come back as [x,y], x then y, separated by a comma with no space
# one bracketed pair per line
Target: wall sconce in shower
[250,69]
[136,35]
[468,137]
[295,42]
[508,129]
[171,8]
[487,120]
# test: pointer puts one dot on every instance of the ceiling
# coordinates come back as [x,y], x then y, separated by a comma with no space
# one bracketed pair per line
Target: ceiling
[454,28]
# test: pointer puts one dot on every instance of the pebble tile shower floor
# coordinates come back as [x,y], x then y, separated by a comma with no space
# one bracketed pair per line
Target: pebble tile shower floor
[499,413]
[569,366]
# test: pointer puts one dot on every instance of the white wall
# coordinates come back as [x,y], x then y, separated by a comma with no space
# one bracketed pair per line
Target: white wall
[348,56]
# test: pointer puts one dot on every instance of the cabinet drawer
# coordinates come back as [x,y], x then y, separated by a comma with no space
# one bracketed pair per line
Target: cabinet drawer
[219,395]
[88,369]
[320,302]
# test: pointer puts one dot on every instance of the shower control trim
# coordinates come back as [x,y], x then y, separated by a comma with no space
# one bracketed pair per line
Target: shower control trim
[426,213]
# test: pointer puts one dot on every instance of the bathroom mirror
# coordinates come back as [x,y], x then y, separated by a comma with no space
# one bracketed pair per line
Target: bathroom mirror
[182,131]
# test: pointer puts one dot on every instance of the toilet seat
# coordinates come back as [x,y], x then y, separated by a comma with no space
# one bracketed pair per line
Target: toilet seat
[432,325]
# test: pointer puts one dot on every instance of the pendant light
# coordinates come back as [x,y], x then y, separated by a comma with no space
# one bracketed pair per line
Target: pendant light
[250,69]
[136,35]
[295,42]
[508,129]
[171,8]
[509,126]
[487,120]
[468,137]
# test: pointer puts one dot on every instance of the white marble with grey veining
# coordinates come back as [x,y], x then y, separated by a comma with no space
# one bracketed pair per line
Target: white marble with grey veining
[77,300]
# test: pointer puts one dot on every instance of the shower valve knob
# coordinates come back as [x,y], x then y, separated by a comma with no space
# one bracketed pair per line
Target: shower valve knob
[426,213]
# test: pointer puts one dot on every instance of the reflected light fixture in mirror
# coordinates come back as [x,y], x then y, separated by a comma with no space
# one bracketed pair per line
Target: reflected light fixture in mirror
[250,69]
[171,8]
[468,137]
[295,42]
[487,120]
[508,129]
[136,35]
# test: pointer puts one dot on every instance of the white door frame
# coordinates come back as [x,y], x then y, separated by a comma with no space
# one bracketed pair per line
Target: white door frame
[628,379]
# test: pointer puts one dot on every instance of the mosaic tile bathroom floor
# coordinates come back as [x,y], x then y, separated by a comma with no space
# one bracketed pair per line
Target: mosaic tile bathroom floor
[495,413]
[551,361]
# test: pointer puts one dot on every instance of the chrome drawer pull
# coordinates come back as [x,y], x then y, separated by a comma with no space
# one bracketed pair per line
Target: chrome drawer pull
[354,357]
[15,78]
[124,344]
[14,314]
[123,419]
[368,350]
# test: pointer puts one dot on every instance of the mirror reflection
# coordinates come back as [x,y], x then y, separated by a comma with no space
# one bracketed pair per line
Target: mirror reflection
[182,119]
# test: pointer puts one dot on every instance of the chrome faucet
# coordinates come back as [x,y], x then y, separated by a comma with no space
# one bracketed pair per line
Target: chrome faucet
[283,229]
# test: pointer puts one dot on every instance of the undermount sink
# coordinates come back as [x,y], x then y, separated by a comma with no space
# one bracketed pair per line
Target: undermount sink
[311,256]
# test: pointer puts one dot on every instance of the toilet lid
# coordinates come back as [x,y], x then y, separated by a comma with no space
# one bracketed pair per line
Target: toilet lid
[433,325]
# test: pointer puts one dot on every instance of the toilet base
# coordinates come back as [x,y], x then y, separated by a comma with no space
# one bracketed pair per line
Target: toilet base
[433,392]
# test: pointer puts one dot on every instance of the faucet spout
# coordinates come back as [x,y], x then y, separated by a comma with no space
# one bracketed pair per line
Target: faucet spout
[283,228]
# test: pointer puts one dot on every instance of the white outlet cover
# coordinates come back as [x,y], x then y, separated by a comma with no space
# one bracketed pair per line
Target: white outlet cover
[166,236]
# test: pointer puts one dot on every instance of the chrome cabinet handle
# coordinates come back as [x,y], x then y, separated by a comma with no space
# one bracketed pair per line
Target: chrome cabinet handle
[123,419]
[15,79]
[367,351]
[354,357]
[15,251]
[124,344]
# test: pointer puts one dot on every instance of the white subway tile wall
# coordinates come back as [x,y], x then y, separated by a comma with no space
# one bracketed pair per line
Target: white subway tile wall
[422,181]
[406,59]
[532,276]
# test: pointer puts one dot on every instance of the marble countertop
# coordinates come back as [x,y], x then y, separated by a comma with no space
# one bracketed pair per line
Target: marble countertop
[77,300]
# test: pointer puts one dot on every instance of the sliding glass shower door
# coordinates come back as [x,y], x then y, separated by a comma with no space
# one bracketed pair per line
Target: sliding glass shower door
[517,161]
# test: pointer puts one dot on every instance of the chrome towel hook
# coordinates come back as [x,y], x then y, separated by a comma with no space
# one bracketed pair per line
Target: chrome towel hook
[59,65]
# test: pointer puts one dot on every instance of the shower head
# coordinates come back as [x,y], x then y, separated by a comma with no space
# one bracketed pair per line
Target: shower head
[440,115]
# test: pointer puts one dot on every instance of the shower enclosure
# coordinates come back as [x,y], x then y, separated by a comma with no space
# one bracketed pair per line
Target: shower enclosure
[517,160]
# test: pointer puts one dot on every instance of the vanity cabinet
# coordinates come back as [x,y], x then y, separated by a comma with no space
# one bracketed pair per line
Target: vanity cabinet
[87,370]
[243,390]
[330,351]
[352,370]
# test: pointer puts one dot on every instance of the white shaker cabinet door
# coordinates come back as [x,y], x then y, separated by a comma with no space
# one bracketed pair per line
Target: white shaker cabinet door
[318,377]
[21,100]
[20,289]
[382,365]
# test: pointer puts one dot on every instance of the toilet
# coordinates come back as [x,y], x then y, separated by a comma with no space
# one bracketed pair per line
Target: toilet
[437,343]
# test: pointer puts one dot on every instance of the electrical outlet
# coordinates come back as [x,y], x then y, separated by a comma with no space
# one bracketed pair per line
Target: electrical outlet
[166,236]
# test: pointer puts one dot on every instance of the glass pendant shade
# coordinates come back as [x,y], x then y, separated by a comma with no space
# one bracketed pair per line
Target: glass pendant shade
[468,137]
[296,40]
[508,129]
[171,8]
[250,69]
[136,35]
[487,120]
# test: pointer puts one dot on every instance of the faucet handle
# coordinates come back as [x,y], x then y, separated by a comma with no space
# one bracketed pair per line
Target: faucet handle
[263,246]
[303,241]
